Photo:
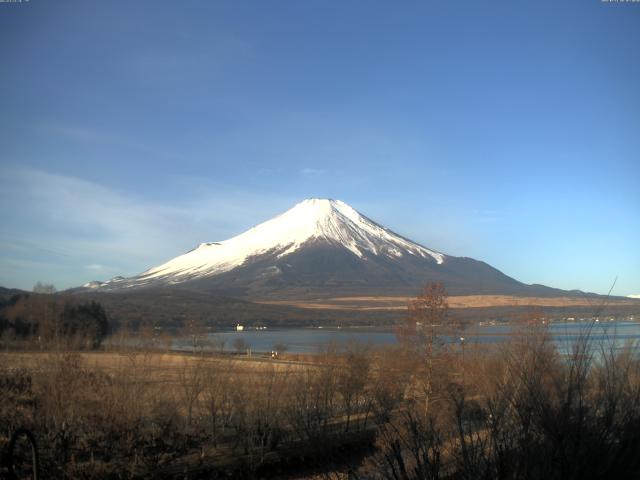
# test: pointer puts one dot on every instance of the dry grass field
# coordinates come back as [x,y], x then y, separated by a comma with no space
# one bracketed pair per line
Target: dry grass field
[160,366]
[455,302]
[418,410]
[149,414]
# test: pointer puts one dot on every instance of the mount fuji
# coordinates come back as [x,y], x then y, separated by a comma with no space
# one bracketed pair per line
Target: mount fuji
[321,248]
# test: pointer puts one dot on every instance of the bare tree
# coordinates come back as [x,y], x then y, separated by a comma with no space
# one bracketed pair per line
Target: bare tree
[217,343]
[217,396]
[392,373]
[191,377]
[409,448]
[47,288]
[240,345]
[353,378]
[423,330]
[195,335]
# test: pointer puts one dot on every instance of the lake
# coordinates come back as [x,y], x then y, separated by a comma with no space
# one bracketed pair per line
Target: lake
[311,340]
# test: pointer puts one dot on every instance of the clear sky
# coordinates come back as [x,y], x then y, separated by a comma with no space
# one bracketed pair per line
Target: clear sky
[507,131]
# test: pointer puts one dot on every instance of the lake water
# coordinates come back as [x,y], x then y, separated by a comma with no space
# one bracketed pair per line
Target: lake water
[312,340]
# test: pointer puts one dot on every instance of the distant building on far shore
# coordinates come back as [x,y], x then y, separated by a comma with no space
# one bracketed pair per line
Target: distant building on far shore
[239,327]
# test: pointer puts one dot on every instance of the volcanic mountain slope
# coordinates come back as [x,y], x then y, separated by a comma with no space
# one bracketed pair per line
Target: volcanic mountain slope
[322,248]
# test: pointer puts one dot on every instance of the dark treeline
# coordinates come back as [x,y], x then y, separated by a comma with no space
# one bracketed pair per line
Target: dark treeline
[36,319]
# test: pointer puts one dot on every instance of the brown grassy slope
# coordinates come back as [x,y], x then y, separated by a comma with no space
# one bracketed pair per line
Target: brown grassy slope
[459,301]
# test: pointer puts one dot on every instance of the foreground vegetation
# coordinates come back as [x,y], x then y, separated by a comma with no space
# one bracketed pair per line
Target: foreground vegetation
[422,410]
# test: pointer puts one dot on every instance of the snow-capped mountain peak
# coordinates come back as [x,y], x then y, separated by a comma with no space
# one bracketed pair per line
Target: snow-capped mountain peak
[315,219]
[320,248]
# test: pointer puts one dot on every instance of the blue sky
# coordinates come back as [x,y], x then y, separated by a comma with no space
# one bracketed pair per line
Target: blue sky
[506,131]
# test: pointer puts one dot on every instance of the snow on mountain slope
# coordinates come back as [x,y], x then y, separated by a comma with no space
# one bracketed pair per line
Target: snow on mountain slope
[314,219]
[320,249]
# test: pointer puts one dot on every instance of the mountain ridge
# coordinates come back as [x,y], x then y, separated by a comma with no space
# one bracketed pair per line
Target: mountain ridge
[320,248]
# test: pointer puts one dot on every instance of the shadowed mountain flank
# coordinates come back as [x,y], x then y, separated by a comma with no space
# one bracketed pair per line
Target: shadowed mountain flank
[322,248]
